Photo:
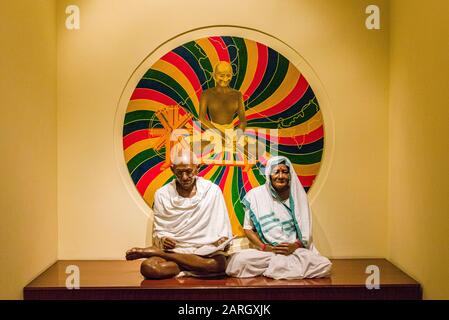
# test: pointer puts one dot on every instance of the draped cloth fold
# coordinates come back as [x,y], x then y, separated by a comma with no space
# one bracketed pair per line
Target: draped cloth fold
[278,222]
[192,222]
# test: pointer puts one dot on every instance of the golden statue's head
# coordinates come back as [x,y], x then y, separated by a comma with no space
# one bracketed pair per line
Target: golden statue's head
[223,74]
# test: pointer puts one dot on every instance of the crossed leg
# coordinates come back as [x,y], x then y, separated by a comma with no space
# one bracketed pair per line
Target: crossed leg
[158,268]
[160,264]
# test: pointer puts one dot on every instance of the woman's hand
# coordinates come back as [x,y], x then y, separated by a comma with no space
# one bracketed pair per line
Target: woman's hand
[286,248]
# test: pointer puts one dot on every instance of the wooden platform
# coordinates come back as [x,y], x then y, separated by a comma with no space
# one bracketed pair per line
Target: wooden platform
[122,280]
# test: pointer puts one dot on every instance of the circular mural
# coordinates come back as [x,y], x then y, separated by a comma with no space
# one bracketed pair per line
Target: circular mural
[276,97]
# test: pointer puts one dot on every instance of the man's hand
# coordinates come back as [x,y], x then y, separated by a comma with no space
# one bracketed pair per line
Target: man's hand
[220,241]
[168,243]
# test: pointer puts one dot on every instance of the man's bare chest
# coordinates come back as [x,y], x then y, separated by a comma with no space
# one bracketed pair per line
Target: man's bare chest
[223,103]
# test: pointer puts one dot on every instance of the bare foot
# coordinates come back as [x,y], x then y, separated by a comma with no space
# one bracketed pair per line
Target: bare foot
[139,253]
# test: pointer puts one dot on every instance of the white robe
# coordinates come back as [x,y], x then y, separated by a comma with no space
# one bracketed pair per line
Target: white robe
[275,223]
[192,222]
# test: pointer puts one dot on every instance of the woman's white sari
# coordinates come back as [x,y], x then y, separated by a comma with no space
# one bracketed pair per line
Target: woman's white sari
[264,208]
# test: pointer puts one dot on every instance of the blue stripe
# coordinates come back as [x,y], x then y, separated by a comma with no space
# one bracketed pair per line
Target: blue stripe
[191,60]
[144,167]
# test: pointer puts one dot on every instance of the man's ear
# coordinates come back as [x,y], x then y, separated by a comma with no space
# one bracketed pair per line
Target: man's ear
[172,169]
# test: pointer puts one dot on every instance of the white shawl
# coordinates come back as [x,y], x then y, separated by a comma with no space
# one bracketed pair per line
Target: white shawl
[200,220]
[259,202]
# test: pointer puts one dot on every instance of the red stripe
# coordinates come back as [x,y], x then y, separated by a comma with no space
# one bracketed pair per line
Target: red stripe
[223,178]
[186,69]
[246,183]
[150,94]
[205,171]
[262,53]
[134,137]
[306,181]
[294,96]
[148,176]
[296,140]
[221,48]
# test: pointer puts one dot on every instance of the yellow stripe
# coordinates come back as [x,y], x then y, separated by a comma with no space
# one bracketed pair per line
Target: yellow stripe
[138,147]
[251,48]
[287,85]
[179,77]
[312,124]
[210,51]
[148,196]
[209,175]
[252,179]
[307,169]
[143,104]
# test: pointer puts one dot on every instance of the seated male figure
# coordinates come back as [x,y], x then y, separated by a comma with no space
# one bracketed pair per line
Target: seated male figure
[189,213]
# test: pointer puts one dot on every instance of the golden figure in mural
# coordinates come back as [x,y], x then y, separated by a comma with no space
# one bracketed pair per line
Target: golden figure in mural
[221,102]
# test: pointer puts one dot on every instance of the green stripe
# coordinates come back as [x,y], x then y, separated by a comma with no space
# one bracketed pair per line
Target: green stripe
[305,113]
[172,83]
[255,222]
[243,61]
[138,115]
[203,61]
[135,161]
[238,207]
[274,220]
[292,227]
[267,216]
[308,158]
[275,82]
[268,229]
[260,178]
[216,173]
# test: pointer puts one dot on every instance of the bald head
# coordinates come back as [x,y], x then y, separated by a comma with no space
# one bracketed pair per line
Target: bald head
[223,73]
[182,155]
[184,166]
[223,66]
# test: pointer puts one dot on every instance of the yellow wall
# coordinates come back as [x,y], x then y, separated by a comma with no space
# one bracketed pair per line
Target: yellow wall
[28,219]
[419,144]
[382,193]
[99,218]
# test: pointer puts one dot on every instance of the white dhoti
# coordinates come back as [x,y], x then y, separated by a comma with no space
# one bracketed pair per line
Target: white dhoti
[302,263]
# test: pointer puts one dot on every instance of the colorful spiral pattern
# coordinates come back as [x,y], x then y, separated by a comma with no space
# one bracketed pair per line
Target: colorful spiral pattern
[276,96]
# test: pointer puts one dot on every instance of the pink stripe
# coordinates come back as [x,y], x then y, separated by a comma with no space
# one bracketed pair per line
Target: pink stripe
[148,176]
[294,96]
[186,69]
[150,94]
[262,53]
[221,48]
